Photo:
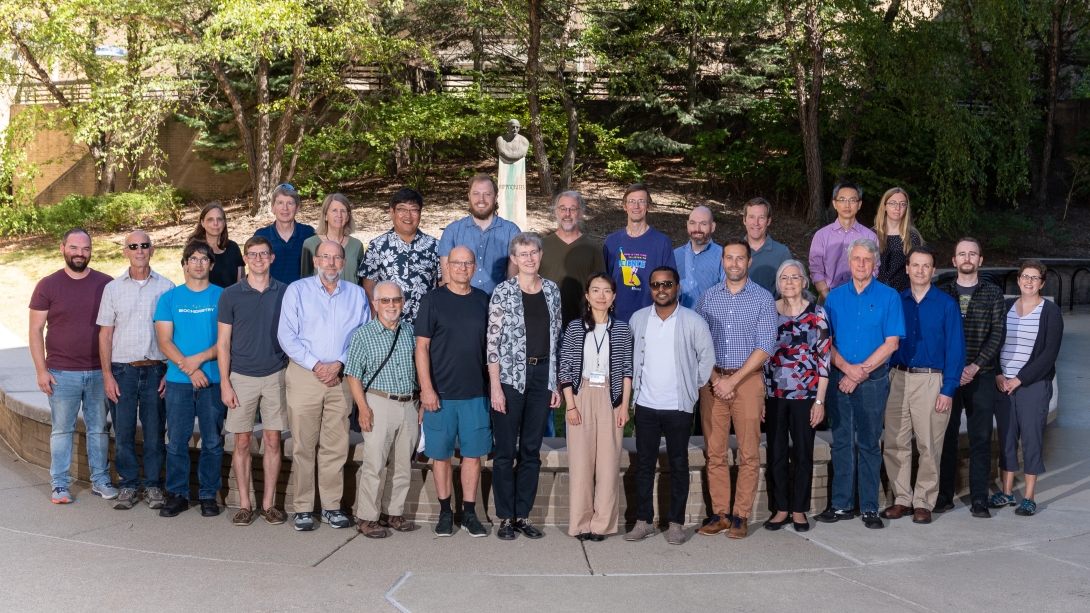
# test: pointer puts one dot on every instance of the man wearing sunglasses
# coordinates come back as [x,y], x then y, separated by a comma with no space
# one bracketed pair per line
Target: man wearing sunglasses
[252,366]
[135,379]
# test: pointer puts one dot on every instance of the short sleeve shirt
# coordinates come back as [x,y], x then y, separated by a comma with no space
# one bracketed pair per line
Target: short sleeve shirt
[457,326]
[129,307]
[491,247]
[285,268]
[414,266]
[254,318]
[194,315]
[861,322]
[569,265]
[630,260]
[765,261]
[71,331]
[370,345]
[224,272]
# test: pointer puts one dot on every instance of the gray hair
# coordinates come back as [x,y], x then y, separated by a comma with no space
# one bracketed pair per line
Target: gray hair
[526,238]
[802,271]
[388,283]
[869,245]
[571,194]
[285,190]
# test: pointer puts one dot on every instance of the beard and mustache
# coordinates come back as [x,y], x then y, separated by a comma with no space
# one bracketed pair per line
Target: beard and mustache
[77,263]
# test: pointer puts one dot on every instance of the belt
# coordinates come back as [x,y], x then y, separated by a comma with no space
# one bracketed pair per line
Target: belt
[726,372]
[143,363]
[918,371]
[395,397]
[536,361]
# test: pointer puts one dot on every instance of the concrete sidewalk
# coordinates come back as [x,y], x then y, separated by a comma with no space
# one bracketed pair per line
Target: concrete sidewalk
[87,556]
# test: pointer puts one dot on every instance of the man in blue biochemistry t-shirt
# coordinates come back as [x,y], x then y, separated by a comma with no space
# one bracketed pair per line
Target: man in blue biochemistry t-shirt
[634,251]
[185,322]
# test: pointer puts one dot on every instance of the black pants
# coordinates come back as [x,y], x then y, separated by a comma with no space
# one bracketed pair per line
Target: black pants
[651,426]
[783,416]
[520,430]
[977,400]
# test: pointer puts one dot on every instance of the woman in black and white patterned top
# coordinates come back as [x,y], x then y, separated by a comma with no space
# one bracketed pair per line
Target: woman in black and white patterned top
[893,224]
[1034,329]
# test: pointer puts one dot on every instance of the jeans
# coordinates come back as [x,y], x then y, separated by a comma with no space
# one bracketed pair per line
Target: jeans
[521,428]
[977,399]
[183,403]
[139,395]
[856,419]
[76,389]
[652,425]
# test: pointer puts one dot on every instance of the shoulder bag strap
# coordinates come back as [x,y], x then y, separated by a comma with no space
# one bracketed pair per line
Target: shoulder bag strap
[397,333]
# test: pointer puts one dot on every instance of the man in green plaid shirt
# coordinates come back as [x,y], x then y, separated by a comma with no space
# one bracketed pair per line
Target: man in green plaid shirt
[388,397]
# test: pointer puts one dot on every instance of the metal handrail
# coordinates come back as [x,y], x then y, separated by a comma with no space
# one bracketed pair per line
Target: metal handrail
[1074,275]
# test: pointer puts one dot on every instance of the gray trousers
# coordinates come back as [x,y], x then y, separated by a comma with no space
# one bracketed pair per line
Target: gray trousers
[1023,415]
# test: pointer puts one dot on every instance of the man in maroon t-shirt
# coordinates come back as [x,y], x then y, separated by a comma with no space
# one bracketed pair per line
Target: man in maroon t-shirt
[67,363]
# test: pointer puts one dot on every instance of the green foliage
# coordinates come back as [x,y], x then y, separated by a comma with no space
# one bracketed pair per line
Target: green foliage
[109,213]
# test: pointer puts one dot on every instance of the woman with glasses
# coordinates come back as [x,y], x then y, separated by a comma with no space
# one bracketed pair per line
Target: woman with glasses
[212,230]
[596,377]
[336,224]
[892,224]
[796,376]
[1027,361]
[522,343]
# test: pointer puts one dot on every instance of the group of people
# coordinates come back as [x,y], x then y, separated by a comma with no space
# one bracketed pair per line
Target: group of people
[474,339]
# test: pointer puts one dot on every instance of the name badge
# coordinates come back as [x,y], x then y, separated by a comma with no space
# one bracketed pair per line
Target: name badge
[597,379]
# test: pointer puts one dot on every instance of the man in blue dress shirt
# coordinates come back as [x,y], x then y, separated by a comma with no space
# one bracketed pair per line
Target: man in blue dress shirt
[868,325]
[926,373]
[698,261]
[486,234]
[285,234]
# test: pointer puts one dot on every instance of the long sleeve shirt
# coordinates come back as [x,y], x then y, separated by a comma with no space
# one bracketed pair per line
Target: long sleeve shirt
[316,326]
[933,336]
[984,322]
[829,253]
[740,323]
[698,271]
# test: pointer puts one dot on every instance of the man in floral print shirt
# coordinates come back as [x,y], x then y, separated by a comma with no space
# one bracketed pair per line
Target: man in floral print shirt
[404,254]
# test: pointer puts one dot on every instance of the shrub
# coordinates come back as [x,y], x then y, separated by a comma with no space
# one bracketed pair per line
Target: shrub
[110,212]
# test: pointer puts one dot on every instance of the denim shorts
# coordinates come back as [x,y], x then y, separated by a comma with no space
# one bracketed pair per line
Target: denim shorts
[468,421]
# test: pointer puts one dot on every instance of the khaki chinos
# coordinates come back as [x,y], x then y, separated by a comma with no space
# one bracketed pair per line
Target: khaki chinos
[716,415]
[594,463]
[911,408]
[318,419]
[394,433]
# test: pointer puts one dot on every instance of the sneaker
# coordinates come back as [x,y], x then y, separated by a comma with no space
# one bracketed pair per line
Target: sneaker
[524,526]
[1026,508]
[105,490]
[62,496]
[304,522]
[155,498]
[336,519]
[175,505]
[445,525]
[507,531]
[1000,500]
[831,515]
[642,530]
[980,509]
[473,526]
[871,520]
[943,506]
[209,507]
[126,500]
[739,527]
[715,524]
[675,535]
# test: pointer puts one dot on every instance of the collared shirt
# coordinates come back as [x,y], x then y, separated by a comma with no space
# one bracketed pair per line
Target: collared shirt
[254,317]
[659,377]
[933,336]
[829,253]
[491,247]
[129,306]
[739,322]
[764,263]
[699,271]
[369,346]
[984,322]
[862,321]
[414,266]
[316,326]
[285,268]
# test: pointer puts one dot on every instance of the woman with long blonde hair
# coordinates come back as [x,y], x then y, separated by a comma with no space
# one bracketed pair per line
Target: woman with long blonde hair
[892,224]
[335,224]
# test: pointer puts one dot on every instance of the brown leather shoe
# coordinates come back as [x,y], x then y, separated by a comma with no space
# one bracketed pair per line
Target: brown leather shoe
[739,527]
[896,511]
[399,523]
[921,516]
[715,525]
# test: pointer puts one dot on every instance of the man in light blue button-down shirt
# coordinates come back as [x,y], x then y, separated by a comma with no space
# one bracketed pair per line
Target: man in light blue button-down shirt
[698,261]
[317,319]
[486,234]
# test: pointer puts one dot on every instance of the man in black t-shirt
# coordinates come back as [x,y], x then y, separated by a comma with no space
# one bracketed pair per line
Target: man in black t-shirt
[453,386]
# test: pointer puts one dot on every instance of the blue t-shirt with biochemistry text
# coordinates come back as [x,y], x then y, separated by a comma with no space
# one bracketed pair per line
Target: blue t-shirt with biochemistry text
[194,316]
[630,262]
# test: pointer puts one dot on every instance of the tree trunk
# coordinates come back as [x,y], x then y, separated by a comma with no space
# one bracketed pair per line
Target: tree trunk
[1055,43]
[478,50]
[809,101]
[533,97]
[261,148]
[287,120]
[571,111]
[260,200]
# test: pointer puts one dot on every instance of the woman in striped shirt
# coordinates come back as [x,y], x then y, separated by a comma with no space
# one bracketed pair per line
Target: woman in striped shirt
[1028,364]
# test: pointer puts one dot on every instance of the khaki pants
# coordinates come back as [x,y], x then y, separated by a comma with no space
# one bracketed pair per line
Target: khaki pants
[392,438]
[318,419]
[911,408]
[594,463]
[715,418]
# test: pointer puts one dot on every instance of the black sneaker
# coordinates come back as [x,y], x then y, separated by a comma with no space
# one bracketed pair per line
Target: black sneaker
[943,506]
[524,526]
[304,522]
[473,526]
[177,503]
[506,531]
[209,508]
[445,525]
[336,519]
[871,520]
[831,515]
[980,509]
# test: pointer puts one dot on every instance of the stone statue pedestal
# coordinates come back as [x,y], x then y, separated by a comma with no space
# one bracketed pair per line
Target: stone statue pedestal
[511,148]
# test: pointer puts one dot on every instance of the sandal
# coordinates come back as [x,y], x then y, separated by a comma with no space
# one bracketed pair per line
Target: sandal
[274,516]
[401,524]
[1026,508]
[370,529]
[244,517]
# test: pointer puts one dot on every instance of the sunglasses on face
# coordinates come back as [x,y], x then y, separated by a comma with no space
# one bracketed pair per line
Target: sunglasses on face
[386,301]
[665,284]
[135,246]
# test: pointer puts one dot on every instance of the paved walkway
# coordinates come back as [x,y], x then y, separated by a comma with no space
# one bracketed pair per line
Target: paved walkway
[87,556]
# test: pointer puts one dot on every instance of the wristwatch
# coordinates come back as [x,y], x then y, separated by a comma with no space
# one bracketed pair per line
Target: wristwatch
[819,402]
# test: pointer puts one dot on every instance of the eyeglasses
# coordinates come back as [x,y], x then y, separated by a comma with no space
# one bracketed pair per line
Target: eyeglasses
[897,205]
[258,255]
[411,210]
[528,254]
[454,264]
[847,201]
[1033,278]
[199,261]
[135,246]
[386,301]
[567,210]
[792,278]
[325,257]
[640,202]
[665,284]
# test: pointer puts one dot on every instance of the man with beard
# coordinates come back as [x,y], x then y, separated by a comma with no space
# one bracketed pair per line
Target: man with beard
[570,257]
[983,321]
[486,234]
[743,321]
[767,253]
[698,261]
[317,319]
[634,250]
[67,363]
